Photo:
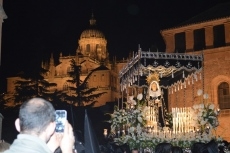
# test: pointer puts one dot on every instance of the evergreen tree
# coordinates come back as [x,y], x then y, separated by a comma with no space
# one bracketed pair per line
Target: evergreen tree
[32,84]
[2,100]
[81,94]
[6,102]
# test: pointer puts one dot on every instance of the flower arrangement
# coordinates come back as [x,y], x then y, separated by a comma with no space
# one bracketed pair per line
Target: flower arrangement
[207,116]
[149,140]
[130,128]
[127,119]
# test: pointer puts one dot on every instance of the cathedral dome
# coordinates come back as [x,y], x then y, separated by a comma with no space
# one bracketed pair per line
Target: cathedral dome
[89,33]
[92,31]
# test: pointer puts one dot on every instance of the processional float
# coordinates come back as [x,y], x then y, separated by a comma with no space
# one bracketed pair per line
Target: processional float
[142,118]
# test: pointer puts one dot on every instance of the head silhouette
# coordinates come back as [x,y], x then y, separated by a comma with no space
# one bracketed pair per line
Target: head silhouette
[176,149]
[196,147]
[163,148]
[212,146]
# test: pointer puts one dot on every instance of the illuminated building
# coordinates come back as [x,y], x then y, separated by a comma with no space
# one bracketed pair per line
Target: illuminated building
[91,55]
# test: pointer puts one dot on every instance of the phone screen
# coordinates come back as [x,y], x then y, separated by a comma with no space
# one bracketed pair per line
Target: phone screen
[61,116]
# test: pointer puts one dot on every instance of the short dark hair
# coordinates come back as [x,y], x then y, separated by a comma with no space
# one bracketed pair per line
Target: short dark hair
[196,147]
[35,115]
[177,149]
[163,148]
[212,146]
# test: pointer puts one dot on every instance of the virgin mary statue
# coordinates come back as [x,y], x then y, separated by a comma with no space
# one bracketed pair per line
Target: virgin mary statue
[154,96]
[154,90]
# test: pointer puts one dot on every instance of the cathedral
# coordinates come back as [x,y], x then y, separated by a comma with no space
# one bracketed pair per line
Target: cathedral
[91,55]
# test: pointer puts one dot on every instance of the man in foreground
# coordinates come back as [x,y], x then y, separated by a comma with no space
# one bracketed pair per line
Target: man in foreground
[36,124]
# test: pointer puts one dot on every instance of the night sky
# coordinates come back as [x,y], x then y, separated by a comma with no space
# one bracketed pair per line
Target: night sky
[36,28]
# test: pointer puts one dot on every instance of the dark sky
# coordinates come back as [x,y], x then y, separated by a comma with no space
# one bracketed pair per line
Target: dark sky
[36,28]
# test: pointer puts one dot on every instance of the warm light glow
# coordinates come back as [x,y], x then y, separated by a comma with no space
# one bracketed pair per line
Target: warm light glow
[105,132]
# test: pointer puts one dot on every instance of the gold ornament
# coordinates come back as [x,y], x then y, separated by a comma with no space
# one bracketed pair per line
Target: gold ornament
[153,77]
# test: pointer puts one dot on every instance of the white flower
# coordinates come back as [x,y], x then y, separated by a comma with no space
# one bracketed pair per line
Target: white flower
[134,102]
[205,96]
[211,106]
[131,129]
[201,106]
[131,98]
[199,114]
[199,92]
[140,96]
[139,119]
[195,106]
[139,129]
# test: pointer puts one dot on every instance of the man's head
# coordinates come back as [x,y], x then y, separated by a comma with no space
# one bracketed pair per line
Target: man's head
[35,117]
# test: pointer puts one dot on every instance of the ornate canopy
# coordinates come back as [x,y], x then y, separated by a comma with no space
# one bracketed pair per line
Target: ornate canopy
[171,67]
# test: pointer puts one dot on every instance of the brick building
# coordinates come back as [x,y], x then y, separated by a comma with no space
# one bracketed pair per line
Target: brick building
[209,34]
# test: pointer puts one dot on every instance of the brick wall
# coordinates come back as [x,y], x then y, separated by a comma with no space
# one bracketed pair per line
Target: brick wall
[216,70]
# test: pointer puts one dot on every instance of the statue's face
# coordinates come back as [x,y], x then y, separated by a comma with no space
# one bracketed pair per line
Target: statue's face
[154,86]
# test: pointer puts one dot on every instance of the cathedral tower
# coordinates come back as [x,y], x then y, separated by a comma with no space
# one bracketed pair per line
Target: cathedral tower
[92,43]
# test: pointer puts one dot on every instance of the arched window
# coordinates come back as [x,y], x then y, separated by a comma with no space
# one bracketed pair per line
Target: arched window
[65,86]
[223,96]
[88,48]
[102,77]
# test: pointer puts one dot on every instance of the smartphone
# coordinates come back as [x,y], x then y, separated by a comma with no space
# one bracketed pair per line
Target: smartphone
[61,116]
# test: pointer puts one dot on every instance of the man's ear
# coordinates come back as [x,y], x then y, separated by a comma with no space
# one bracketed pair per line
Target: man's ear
[51,128]
[17,124]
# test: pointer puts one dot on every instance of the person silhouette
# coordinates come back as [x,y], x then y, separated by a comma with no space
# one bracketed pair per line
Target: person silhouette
[177,149]
[163,148]
[196,147]
[36,126]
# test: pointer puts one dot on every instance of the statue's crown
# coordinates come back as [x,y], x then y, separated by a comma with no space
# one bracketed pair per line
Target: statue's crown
[153,77]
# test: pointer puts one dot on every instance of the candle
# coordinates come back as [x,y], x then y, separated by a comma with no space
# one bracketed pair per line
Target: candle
[122,100]
[105,132]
